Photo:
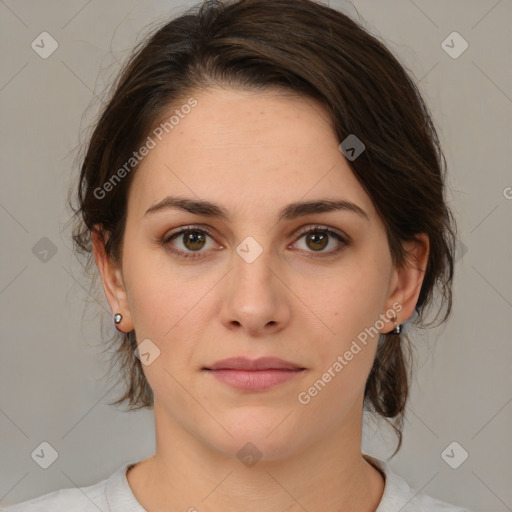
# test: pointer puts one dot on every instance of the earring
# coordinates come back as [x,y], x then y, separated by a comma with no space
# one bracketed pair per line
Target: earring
[117,320]
[398,327]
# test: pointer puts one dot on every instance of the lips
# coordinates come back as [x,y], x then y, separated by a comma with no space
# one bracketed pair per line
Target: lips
[254,375]
[246,364]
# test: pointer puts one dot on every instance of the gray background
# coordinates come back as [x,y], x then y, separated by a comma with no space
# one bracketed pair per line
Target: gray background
[52,373]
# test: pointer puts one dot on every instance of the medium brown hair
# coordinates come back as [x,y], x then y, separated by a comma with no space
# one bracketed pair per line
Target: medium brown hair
[316,51]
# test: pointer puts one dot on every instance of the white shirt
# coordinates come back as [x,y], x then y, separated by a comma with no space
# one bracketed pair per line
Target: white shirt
[115,495]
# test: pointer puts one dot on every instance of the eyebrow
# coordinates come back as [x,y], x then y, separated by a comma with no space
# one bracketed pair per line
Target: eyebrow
[289,212]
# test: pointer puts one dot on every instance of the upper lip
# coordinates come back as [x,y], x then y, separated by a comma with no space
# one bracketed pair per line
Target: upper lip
[262,363]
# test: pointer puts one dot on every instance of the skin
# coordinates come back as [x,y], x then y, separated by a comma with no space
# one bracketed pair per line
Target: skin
[253,153]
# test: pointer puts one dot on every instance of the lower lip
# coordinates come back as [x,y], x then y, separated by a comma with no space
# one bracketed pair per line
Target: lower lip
[254,380]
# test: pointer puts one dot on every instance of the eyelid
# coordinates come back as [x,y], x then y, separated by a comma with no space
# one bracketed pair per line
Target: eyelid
[342,238]
[183,229]
[321,227]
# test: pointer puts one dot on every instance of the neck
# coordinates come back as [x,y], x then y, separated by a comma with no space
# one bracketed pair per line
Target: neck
[185,474]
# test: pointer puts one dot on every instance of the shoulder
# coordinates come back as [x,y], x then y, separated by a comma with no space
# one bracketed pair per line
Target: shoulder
[80,499]
[421,502]
[399,496]
[73,500]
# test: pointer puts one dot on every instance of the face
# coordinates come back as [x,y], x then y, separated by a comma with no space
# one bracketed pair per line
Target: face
[199,288]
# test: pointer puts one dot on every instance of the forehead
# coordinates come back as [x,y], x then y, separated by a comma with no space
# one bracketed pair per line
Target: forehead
[246,149]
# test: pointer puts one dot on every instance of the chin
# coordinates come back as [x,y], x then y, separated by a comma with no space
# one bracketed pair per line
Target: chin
[258,437]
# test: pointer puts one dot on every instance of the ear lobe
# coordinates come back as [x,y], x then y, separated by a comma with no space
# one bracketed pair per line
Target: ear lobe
[409,278]
[112,279]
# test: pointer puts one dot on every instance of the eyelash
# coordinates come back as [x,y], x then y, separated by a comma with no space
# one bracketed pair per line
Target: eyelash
[344,242]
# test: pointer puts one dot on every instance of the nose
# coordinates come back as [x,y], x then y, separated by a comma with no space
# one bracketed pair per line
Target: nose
[256,298]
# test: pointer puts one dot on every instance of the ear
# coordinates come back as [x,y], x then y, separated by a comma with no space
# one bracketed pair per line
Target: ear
[112,278]
[406,281]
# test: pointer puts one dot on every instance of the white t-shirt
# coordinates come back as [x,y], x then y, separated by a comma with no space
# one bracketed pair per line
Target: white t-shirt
[115,495]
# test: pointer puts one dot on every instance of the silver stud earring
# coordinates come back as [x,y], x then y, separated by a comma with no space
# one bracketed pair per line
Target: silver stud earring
[398,327]
[117,320]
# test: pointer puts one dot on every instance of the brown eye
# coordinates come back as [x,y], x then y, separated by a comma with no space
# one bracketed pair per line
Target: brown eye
[317,241]
[188,242]
[318,238]
[193,240]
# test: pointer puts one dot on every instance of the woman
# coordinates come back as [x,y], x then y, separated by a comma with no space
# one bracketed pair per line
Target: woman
[263,196]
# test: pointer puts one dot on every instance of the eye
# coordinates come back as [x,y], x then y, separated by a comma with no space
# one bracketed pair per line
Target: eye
[317,238]
[192,240]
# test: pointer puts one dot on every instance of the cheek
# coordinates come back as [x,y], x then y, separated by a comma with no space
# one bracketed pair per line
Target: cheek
[346,350]
[168,302]
[351,300]
[156,297]
[348,305]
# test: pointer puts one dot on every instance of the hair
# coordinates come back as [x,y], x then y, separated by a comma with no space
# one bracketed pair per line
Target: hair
[309,49]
